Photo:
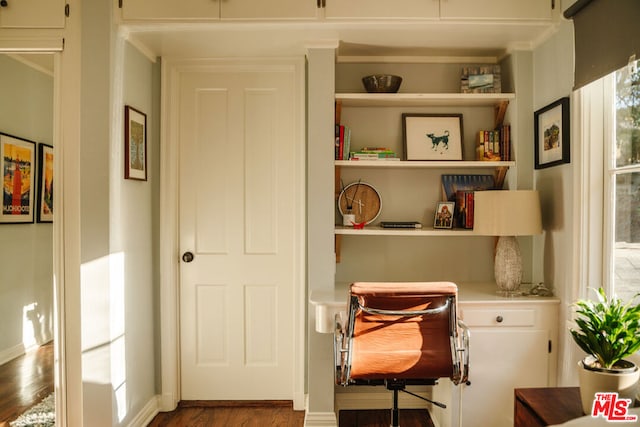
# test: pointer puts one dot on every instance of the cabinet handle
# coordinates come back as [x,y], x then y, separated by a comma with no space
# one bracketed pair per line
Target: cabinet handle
[499,319]
[4,3]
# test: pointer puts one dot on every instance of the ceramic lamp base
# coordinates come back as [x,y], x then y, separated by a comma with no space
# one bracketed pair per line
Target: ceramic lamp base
[507,267]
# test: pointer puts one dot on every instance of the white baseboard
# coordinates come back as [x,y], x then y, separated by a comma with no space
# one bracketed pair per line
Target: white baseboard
[320,419]
[11,353]
[148,412]
[167,402]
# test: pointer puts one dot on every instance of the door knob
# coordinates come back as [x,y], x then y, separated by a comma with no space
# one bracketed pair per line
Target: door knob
[187,257]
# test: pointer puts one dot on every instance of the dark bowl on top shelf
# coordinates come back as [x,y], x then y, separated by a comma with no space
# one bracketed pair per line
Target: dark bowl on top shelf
[382,83]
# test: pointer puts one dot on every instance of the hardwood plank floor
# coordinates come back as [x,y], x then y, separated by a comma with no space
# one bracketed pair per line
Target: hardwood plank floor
[382,418]
[275,414]
[25,381]
[230,414]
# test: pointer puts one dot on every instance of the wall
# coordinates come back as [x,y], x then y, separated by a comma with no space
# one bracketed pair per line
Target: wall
[26,257]
[119,228]
[553,79]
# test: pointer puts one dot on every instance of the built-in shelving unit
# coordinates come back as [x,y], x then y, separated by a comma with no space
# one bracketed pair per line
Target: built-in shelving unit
[419,164]
[498,101]
[416,232]
[422,99]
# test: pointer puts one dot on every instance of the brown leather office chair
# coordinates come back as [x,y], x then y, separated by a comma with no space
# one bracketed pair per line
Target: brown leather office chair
[399,334]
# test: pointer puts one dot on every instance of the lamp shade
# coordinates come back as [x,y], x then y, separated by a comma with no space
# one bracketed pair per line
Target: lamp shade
[507,213]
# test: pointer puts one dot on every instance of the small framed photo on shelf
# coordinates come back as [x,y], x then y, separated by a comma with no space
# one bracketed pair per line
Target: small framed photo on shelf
[135,144]
[551,132]
[444,215]
[481,79]
[432,136]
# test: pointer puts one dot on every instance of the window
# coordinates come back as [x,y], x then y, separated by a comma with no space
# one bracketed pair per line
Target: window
[622,182]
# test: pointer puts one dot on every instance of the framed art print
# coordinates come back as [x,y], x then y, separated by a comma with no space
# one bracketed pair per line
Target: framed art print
[45,183]
[444,215]
[17,161]
[551,133]
[432,136]
[135,144]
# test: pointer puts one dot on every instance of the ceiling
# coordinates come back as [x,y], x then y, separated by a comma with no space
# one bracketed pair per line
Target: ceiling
[405,38]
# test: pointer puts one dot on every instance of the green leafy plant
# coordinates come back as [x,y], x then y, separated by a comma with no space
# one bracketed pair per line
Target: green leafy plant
[608,329]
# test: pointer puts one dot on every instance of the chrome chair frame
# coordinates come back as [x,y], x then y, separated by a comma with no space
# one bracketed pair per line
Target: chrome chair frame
[458,339]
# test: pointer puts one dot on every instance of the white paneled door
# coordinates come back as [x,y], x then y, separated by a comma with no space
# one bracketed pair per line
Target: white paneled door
[240,215]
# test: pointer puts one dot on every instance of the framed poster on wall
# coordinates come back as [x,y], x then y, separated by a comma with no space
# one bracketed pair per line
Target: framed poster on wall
[17,161]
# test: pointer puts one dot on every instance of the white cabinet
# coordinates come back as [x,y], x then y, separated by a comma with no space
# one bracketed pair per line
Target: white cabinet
[445,9]
[382,9]
[33,14]
[496,9]
[273,9]
[513,344]
[170,9]
[204,10]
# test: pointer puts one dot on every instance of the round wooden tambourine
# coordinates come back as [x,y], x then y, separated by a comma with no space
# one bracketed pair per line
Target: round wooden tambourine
[362,200]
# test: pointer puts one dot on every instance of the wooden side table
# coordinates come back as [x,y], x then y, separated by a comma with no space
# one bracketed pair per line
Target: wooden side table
[536,407]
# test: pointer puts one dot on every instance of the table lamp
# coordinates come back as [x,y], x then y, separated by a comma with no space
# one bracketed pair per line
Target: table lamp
[507,214]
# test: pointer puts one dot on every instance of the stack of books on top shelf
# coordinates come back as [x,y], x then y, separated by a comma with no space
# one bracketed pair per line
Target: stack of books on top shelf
[494,144]
[377,153]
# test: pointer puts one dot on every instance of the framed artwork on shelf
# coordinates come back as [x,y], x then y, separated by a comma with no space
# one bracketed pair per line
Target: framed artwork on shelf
[17,161]
[135,144]
[432,136]
[444,215]
[45,183]
[552,134]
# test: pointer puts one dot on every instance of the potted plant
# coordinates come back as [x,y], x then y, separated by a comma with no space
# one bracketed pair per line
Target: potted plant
[608,331]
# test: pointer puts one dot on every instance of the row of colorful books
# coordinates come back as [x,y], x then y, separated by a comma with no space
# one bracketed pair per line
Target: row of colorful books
[343,145]
[494,144]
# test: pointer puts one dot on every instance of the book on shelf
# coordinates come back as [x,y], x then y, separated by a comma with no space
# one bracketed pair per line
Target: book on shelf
[494,144]
[380,153]
[343,142]
[355,155]
[464,209]
[401,224]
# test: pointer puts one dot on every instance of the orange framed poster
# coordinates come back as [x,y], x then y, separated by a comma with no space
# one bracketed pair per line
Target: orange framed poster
[17,162]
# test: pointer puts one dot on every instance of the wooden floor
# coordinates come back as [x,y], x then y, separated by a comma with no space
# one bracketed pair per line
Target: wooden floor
[275,414]
[24,382]
[231,414]
[27,380]
[382,418]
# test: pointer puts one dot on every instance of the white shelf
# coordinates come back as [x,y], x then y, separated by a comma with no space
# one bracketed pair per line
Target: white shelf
[422,99]
[411,164]
[416,232]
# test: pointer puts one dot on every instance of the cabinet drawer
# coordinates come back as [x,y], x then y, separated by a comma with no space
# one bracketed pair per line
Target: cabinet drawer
[523,317]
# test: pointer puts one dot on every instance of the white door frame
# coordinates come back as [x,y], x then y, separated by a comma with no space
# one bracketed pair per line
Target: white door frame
[66,227]
[169,222]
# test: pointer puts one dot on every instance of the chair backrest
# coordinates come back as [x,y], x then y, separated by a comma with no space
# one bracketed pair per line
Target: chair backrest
[401,331]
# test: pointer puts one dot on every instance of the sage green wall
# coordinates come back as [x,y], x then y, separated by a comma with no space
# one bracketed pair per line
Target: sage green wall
[553,79]
[119,228]
[26,252]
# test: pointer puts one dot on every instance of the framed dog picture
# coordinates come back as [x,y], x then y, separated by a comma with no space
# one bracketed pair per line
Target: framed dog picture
[432,136]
